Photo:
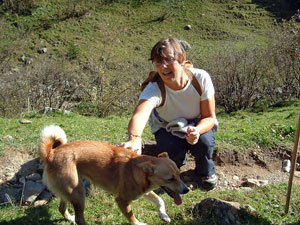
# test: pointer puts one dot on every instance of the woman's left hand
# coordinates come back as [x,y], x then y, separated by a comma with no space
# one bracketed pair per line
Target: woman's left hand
[193,135]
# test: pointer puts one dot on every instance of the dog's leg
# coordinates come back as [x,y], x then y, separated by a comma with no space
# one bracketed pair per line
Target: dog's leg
[79,216]
[127,212]
[77,199]
[64,211]
[160,205]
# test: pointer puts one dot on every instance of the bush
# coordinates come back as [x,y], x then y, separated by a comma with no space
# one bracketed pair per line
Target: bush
[48,83]
[237,76]
[284,62]
[269,74]
[21,7]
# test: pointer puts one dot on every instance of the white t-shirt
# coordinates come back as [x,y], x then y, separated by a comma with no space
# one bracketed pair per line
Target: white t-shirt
[184,103]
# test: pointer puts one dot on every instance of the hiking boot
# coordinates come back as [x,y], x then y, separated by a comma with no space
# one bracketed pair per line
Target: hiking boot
[208,183]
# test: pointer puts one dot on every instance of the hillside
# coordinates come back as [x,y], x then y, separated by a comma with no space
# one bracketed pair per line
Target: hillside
[102,47]
[126,30]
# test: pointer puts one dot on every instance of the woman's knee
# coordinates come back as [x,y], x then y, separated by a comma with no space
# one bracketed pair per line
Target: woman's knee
[207,139]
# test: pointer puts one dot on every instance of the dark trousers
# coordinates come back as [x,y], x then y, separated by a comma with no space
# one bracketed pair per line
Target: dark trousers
[177,149]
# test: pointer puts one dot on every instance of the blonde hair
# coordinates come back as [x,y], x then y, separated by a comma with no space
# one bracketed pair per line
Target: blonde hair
[158,51]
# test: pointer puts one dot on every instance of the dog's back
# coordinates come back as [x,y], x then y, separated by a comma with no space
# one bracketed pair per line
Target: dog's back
[67,163]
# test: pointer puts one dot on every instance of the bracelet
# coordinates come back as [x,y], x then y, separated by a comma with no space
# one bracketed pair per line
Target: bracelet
[134,135]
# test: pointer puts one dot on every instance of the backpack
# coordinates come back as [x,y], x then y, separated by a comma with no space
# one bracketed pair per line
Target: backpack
[154,77]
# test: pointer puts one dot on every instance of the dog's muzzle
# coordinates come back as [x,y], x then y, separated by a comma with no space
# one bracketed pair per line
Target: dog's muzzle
[176,196]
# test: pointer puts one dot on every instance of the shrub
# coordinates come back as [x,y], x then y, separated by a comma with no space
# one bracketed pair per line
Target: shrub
[284,62]
[269,74]
[237,77]
[21,7]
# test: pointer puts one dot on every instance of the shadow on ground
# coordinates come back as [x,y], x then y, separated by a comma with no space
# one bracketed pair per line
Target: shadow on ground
[282,9]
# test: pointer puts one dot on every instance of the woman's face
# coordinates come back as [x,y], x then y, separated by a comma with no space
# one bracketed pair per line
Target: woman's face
[169,69]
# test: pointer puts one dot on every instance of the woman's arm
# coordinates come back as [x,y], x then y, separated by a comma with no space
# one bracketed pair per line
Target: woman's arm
[136,126]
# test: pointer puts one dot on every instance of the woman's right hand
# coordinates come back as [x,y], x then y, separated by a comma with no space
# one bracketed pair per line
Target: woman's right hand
[135,145]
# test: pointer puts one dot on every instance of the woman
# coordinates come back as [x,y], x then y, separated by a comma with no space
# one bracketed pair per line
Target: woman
[190,110]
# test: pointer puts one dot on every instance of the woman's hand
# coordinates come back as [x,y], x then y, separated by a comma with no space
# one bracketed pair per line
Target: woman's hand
[134,144]
[193,135]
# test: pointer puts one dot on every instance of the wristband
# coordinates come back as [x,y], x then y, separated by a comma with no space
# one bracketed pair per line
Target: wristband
[134,135]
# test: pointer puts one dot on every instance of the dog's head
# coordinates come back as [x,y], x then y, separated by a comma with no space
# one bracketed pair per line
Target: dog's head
[163,172]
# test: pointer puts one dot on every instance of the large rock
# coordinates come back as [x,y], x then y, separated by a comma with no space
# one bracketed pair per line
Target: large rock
[224,212]
[32,191]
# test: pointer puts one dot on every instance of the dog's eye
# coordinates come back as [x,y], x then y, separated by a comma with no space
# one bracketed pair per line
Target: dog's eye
[171,179]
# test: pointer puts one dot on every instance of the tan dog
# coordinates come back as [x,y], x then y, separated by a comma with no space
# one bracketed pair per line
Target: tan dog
[120,171]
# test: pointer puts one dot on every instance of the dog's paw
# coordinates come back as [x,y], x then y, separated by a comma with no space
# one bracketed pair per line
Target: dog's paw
[165,217]
[71,218]
[139,223]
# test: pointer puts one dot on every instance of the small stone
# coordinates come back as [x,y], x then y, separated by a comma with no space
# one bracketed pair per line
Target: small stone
[40,203]
[34,177]
[236,178]
[42,50]
[286,165]
[25,121]
[188,27]
[8,138]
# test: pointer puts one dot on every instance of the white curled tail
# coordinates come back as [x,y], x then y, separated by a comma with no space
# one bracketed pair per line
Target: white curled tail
[51,137]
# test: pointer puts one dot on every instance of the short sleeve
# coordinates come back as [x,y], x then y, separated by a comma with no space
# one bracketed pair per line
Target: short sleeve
[152,94]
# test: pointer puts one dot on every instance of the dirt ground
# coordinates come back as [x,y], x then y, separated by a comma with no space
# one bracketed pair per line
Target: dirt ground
[232,168]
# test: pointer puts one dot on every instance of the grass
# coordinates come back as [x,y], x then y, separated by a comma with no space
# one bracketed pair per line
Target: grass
[272,128]
[268,201]
[240,130]
[126,30]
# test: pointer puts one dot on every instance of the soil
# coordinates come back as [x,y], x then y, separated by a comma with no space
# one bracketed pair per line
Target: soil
[232,168]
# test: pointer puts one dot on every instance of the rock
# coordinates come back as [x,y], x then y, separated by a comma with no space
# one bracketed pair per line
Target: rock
[188,27]
[250,210]
[8,138]
[236,178]
[34,177]
[286,165]
[255,183]
[28,61]
[22,58]
[40,203]
[25,121]
[224,212]
[32,191]
[298,166]
[42,50]
[45,195]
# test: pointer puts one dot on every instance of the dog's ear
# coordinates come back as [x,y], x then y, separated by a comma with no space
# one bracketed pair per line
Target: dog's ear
[147,166]
[163,155]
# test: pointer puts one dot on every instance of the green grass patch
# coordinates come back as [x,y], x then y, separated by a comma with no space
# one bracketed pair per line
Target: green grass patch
[268,201]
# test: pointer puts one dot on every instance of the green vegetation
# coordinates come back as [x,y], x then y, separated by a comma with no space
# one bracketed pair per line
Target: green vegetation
[271,129]
[268,201]
[97,55]
[97,51]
